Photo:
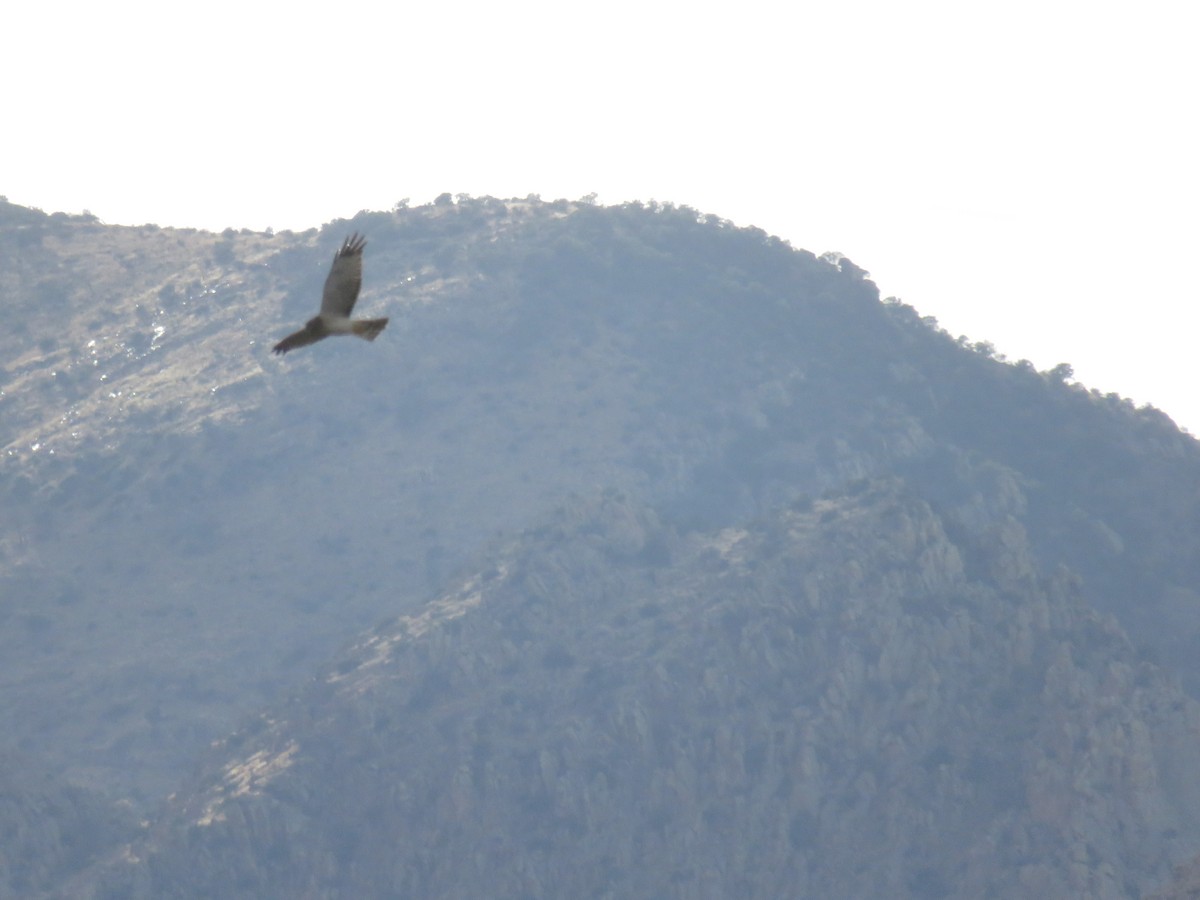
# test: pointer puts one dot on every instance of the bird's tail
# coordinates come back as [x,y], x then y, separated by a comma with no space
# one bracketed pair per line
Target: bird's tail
[368,329]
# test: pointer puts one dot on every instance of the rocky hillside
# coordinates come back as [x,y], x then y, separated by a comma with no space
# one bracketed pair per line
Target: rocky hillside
[193,528]
[837,700]
[50,831]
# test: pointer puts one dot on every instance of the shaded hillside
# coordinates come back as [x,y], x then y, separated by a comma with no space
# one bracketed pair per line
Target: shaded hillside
[822,703]
[1184,885]
[50,831]
[193,527]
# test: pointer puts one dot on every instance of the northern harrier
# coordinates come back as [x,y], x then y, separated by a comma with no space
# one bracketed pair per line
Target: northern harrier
[341,291]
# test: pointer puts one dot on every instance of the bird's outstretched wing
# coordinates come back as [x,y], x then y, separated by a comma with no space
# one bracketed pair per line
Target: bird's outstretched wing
[345,278]
[301,338]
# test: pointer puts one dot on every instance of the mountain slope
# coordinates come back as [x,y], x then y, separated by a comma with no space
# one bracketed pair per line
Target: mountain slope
[823,703]
[49,831]
[192,527]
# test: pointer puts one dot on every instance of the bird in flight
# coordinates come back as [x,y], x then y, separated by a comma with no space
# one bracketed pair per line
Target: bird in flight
[341,291]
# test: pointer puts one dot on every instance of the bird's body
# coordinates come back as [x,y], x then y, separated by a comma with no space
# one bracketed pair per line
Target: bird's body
[337,302]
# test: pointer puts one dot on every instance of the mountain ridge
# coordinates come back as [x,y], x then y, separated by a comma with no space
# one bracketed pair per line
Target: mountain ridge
[201,527]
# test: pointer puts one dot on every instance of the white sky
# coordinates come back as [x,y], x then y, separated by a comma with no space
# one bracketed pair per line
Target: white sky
[1024,171]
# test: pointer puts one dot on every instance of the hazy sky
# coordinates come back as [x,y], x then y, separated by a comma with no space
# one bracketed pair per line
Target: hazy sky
[1024,171]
